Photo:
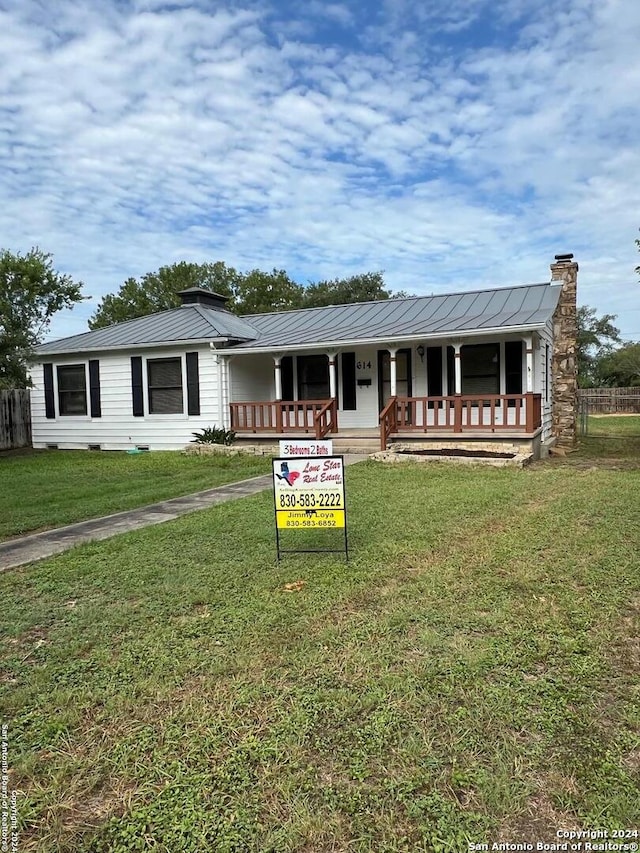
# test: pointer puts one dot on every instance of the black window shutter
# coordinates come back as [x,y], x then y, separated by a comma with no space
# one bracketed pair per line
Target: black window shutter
[348,381]
[513,367]
[94,388]
[136,386]
[286,371]
[49,400]
[451,371]
[434,371]
[193,384]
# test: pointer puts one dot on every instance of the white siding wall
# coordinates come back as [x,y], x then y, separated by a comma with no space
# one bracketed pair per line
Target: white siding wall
[544,385]
[117,429]
[366,411]
[252,378]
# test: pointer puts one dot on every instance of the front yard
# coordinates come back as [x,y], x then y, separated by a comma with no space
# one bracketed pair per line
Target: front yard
[471,675]
[50,488]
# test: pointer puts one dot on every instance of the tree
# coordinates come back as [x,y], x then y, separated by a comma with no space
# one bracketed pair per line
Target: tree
[596,339]
[621,367]
[31,292]
[254,292]
[259,292]
[365,287]
[158,291]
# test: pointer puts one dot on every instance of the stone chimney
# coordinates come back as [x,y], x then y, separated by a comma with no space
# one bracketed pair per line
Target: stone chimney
[204,297]
[564,366]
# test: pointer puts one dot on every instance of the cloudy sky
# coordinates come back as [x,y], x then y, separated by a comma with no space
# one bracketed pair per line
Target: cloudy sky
[454,144]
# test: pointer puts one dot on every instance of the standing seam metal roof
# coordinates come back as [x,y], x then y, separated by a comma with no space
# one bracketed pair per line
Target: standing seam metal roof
[187,323]
[425,316]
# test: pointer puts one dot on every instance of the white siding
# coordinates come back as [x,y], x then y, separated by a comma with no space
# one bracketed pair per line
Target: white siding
[544,386]
[252,378]
[366,412]
[118,429]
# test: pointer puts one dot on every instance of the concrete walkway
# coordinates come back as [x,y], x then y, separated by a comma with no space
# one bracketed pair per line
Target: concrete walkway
[37,546]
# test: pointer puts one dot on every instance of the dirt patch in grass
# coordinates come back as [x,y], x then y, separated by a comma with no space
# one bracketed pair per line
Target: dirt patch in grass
[113,799]
[539,821]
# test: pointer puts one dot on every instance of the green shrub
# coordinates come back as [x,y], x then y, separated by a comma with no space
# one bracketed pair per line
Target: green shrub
[214,435]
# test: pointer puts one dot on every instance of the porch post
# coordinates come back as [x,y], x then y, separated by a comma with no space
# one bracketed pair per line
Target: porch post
[457,406]
[393,373]
[529,345]
[221,401]
[458,368]
[226,397]
[278,374]
[333,393]
[529,398]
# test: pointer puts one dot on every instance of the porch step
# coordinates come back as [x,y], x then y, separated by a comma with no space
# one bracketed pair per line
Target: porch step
[341,446]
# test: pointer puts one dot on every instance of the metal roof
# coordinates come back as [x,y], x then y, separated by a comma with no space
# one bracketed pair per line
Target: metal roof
[527,306]
[177,325]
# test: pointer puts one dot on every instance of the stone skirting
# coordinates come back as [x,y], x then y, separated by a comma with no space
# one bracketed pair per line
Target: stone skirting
[230,450]
[402,453]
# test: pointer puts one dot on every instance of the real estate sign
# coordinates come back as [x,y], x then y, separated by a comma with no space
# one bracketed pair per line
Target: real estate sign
[309,493]
[293,447]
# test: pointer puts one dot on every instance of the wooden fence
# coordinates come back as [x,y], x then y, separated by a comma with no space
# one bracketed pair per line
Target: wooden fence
[610,401]
[15,419]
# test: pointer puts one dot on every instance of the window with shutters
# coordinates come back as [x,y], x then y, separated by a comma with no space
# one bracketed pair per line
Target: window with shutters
[72,389]
[164,377]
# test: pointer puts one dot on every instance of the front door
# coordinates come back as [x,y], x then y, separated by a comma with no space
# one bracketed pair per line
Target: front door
[403,375]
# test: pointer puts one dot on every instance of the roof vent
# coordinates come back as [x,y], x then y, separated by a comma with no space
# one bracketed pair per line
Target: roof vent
[202,296]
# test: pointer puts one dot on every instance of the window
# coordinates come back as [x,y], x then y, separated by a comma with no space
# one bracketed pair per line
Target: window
[164,377]
[72,390]
[481,369]
[313,377]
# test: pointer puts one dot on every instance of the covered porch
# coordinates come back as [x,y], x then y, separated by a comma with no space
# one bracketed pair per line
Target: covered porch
[478,387]
[480,416]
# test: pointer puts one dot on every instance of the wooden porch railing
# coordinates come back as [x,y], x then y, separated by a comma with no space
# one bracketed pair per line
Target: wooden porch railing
[461,413]
[388,421]
[318,417]
[326,420]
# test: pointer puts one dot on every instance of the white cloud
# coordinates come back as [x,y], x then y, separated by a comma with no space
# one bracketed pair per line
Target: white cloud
[453,145]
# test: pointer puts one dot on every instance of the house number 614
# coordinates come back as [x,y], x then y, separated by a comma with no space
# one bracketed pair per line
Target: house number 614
[363,365]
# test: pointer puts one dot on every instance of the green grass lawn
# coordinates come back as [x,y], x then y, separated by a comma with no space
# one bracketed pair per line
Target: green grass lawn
[50,488]
[471,675]
[618,425]
[612,436]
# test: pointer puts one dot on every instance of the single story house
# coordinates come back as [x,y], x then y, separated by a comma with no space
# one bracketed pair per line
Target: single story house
[479,365]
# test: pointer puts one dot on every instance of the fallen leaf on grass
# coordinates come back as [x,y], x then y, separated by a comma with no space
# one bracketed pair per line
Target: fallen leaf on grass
[296,586]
